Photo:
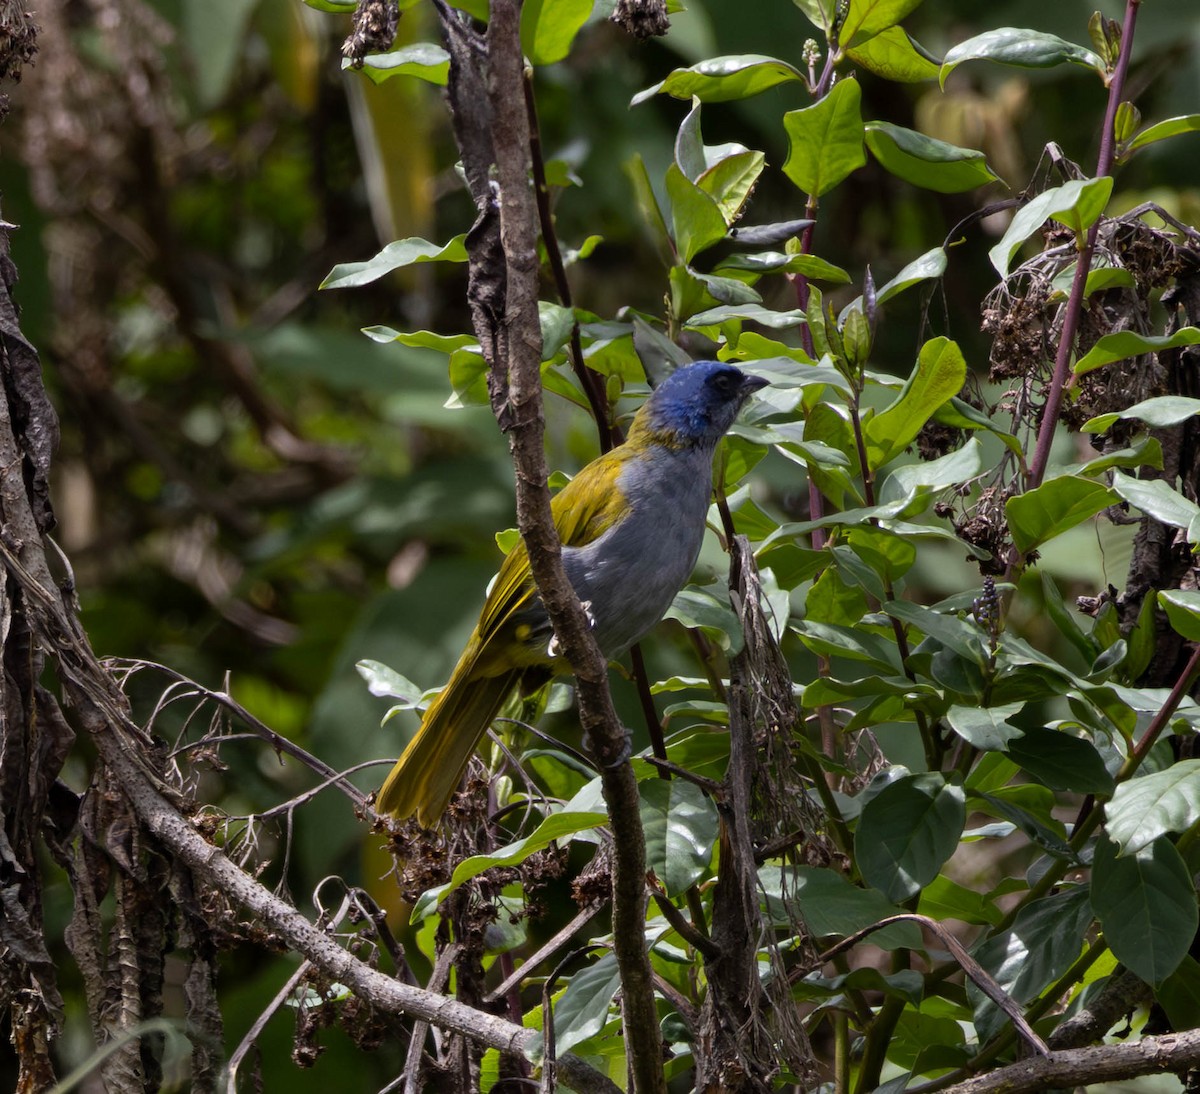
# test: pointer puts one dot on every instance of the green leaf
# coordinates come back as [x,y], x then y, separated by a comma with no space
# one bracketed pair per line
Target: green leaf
[1127,343]
[387,683]
[548,27]
[907,832]
[929,475]
[647,203]
[424,60]
[927,162]
[695,215]
[1049,510]
[1077,204]
[814,268]
[944,898]
[1183,611]
[334,7]
[694,606]
[720,79]
[987,728]
[1045,938]
[833,908]
[776,320]
[1098,279]
[939,374]
[1158,413]
[888,554]
[1145,808]
[554,827]
[825,140]
[1157,499]
[965,638]
[681,826]
[1160,131]
[893,55]
[931,264]
[730,181]
[1146,905]
[583,1009]
[866,18]
[1061,761]
[1179,995]
[404,252]
[857,643]
[1022,48]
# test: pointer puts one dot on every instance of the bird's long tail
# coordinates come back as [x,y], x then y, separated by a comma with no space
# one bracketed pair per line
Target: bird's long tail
[432,765]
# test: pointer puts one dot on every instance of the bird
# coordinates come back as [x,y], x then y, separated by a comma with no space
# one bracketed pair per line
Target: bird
[632,523]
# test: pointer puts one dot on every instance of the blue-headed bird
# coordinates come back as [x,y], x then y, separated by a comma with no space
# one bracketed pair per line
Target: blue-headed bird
[631,523]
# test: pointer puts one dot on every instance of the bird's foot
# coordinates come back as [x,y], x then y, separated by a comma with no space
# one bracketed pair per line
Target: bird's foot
[586,605]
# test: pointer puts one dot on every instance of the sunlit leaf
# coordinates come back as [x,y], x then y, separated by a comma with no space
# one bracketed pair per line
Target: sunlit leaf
[424,60]
[1021,48]
[722,78]
[825,140]
[1160,131]
[548,27]
[893,55]
[1128,343]
[1054,507]
[404,252]
[1077,204]
[925,161]
[1145,808]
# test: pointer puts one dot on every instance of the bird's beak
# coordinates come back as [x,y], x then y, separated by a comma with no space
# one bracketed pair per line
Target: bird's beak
[751,384]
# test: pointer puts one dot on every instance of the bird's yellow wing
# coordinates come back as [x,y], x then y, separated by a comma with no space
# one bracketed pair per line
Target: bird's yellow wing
[583,511]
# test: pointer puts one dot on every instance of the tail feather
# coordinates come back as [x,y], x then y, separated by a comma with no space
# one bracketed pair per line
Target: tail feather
[432,765]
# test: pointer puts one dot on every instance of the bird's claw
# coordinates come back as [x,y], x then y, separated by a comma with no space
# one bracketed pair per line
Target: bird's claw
[586,605]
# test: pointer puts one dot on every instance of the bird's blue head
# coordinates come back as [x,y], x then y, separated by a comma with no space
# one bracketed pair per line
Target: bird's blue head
[695,405]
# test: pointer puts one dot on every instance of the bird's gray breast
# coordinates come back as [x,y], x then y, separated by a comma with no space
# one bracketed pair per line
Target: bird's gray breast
[631,573]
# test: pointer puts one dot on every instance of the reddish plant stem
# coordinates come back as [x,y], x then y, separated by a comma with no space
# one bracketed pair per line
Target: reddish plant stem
[1074,309]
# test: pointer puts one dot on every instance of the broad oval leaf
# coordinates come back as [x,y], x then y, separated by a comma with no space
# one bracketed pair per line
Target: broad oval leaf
[1077,204]
[1143,809]
[1183,611]
[403,252]
[1157,499]
[1039,947]
[894,55]
[681,826]
[696,218]
[1128,343]
[720,79]
[1054,507]
[1061,761]
[930,265]
[866,18]
[986,728]
[1160,131]
[584,1007]
[423,60]
[1022,48]
[548,27]
[1146,904]
[938,376]
[825,140]
[907,832]
[924,161]
[1159,413]
[833,907]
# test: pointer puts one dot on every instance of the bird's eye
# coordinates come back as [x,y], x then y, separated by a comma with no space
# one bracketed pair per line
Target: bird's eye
[724,382]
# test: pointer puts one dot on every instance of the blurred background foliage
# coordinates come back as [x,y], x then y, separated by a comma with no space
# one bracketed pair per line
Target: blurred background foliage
[247,485]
